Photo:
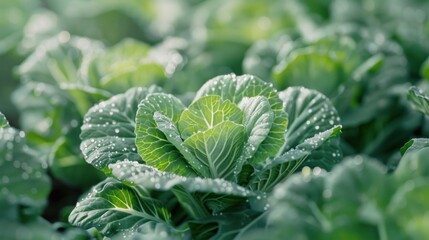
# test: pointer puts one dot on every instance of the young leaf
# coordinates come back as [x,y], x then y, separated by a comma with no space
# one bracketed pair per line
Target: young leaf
[206,113]
[258,120]
[151,178]
[152,145]
[112,207]
[217,150]
[172,134]
[108,129]
[233,88]
[275,139]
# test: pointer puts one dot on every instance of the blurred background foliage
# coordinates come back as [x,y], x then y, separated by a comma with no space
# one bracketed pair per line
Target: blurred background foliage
[60,57]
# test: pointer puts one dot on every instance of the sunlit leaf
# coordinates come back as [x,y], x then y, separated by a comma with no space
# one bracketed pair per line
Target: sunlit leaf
[217,150]
[152,145]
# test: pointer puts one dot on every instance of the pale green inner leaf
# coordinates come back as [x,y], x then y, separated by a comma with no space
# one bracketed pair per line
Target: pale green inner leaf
[206,113]
[217,150]
[258,119]
[152,145]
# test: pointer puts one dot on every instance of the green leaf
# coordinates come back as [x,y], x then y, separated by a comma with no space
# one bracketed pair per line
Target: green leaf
[108,129]
[60,61]
[125,65]
[409,205]
[206,113]
[223,226]
[258,120]
[152,145]
[65,163]
[235,88]
[413,164]
[217,150]
[418,100]
[277,169]
[315,205]
[24,182]
[3,121]
[355,174]
[275,140]
[112,207]
[309,68]
[151,178]
[172,134]
[311,113]
[414,145]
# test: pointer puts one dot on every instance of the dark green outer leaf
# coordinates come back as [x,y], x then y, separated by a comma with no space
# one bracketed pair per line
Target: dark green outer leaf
[277,169]
[108,129]
[223,226]
[418,100]
[152,145]
[311,113]
[112,207]
[151,178]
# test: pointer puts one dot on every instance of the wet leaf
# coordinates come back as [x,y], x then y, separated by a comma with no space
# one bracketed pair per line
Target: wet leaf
[108,129]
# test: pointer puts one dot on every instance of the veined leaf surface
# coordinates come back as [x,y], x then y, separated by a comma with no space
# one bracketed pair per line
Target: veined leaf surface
[151,178]
[311,113]
[108,129]
[206,113]
[217,150]
[152,145]
[112,207]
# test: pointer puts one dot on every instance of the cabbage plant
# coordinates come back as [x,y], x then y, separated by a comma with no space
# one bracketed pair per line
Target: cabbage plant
[200,171]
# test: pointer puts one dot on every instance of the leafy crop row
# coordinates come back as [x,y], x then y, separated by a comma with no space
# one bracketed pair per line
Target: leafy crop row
[208,119]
